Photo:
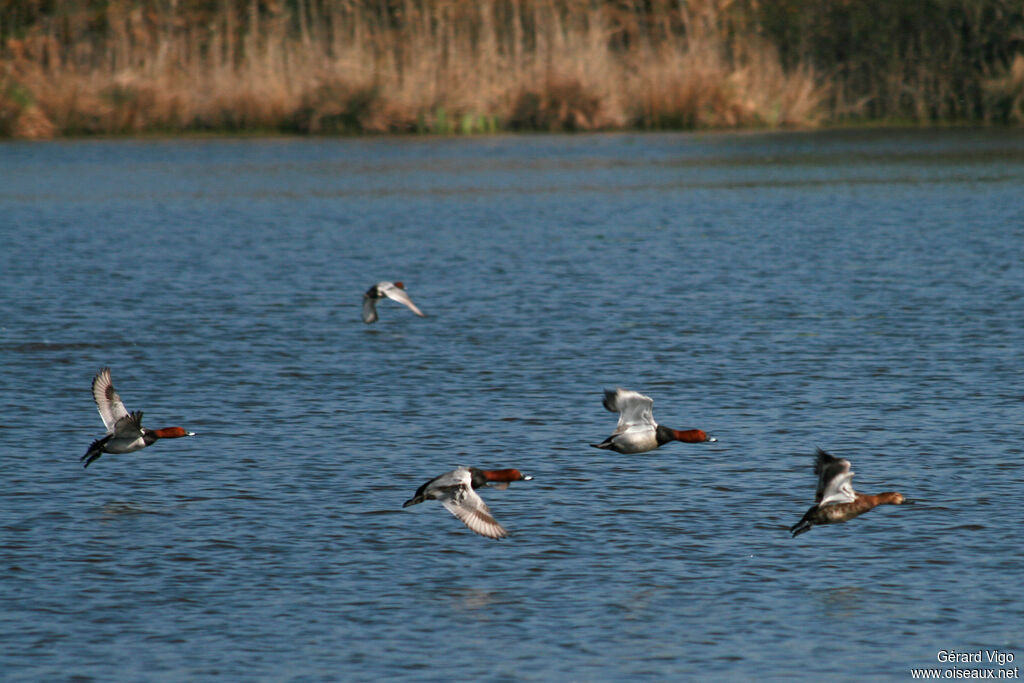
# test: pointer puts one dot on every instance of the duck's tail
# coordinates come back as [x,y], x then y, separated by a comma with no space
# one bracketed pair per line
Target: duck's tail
[606,444]
[95,450]
[801,526]
[414,500]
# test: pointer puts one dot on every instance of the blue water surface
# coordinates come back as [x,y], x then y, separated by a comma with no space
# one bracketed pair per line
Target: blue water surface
[861,291]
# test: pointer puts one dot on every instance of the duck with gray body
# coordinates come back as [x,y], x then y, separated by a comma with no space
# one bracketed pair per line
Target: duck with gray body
[125,433]
[392,290]
[457,492]
[637,432]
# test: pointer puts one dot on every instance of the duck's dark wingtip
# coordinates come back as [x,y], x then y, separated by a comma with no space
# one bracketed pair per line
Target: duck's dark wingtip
[609,400]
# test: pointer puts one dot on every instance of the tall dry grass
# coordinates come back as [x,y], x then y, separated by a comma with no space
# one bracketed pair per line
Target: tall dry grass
[348,66]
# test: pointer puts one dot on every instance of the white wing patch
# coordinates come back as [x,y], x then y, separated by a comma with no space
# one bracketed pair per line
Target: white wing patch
[398,294]
[632,406]
[835,480]
[473,512]
[839,490]
[112,410]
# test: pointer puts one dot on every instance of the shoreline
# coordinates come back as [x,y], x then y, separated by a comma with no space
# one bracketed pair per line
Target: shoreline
[411,68]
[262,134]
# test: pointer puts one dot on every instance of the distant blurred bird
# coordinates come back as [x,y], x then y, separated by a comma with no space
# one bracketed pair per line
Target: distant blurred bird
[125,432]
[456,491]
[391,290]
[835,499]
[637,432]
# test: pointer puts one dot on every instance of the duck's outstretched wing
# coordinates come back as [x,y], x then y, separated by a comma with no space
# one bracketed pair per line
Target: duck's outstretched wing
[369,307]
[129,426]
[471,509]
[112,410]
[632,406]
[835,480]
[396,292]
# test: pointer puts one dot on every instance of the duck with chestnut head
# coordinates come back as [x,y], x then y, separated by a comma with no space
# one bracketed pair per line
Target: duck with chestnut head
[835,499]
[637,432]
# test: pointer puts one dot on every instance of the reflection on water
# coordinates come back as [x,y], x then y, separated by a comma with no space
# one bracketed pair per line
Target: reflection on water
[846,601]
[849,290]
[471,599]
[114,509]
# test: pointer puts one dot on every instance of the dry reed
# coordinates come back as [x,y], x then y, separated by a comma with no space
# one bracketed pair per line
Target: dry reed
[438,66]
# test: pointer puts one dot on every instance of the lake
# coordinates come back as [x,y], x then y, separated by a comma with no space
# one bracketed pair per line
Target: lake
[859,291]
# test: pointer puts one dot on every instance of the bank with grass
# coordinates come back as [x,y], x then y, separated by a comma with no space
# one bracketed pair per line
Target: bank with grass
[86,67]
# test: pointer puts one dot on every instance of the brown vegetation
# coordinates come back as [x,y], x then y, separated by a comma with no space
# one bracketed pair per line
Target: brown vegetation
[445,66]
